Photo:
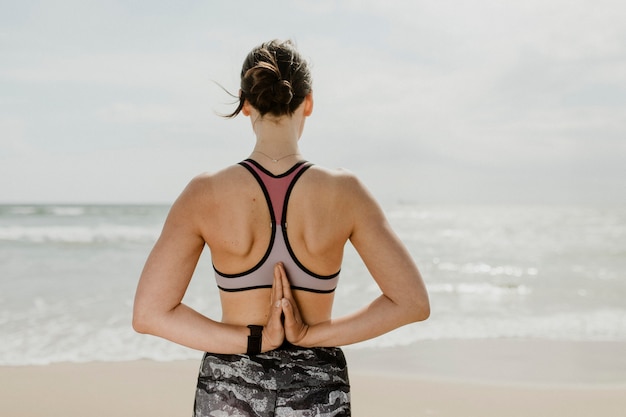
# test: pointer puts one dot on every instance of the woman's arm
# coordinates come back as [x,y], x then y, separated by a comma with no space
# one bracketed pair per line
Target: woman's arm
[404,298]
[158,307]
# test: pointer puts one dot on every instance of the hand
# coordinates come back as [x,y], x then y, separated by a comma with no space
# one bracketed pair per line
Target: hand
[295,328]
[273,332]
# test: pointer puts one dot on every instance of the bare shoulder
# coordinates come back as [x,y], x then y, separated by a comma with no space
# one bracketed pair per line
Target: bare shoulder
[339,180]
[344,185]
[342,193]
[332,173]
[203,191]
[206,184]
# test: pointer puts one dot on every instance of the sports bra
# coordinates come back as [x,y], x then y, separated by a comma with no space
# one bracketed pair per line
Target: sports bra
[277,189]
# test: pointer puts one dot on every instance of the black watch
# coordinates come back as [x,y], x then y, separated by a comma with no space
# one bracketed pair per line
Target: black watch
[255,339]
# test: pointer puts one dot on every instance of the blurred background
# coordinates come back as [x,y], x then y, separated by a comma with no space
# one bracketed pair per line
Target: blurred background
[492,133]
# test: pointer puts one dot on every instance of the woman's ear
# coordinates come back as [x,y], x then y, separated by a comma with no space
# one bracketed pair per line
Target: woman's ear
[308,104]
[245,109]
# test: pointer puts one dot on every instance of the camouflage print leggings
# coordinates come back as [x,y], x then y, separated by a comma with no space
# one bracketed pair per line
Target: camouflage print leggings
[290,381]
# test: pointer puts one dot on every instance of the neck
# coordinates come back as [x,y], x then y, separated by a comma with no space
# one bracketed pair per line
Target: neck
[276,150]
[277,138]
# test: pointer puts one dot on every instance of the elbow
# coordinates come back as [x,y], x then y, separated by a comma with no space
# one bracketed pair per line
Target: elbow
[413,309]
[422,311]
[420,304]
[141,322]
[419,309]
[139,325]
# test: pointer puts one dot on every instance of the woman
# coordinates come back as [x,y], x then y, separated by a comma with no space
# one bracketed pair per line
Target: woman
[275,352]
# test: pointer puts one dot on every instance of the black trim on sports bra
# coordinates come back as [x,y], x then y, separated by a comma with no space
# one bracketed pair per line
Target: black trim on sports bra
[284,231]
[284,174]
[272,224]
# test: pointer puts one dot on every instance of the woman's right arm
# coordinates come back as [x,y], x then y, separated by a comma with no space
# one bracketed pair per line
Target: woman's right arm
[158,307]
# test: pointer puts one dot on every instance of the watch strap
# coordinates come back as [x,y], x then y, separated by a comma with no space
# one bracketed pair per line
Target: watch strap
[255,339]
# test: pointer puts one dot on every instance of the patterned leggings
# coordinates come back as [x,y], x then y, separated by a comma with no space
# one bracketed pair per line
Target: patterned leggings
[290,381]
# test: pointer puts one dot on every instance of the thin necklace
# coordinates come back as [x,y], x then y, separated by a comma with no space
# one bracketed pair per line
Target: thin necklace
[274,159]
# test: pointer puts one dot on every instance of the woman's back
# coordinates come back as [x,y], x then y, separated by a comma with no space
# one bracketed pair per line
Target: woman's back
[235,221]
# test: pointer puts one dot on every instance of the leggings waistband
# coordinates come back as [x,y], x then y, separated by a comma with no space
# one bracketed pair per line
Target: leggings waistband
[288,366]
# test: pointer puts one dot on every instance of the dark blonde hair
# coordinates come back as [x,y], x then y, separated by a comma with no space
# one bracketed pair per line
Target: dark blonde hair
[275,79]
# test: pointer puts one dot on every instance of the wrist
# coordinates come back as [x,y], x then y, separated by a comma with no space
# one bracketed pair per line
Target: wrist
[308,340]
[268,344]
[255,339]
[304,338]
[316,335]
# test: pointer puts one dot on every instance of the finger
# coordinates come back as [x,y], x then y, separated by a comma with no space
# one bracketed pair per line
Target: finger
[294,327]
[274,323]
[274,332]
[277,295]
[291,317]
[286,286]
[290,307]
[277,287]
[291,311]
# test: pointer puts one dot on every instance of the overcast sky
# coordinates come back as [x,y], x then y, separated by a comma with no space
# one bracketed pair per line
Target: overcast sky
[427,101]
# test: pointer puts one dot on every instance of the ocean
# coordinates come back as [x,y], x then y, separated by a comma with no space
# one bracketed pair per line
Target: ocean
[68,275]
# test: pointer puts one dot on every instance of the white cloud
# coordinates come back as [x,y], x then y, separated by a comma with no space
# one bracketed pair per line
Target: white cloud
[465,93]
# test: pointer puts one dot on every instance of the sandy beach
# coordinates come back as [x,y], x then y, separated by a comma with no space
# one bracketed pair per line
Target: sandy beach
[551,379]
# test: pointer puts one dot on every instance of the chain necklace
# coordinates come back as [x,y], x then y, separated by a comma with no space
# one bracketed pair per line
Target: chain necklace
[274,159]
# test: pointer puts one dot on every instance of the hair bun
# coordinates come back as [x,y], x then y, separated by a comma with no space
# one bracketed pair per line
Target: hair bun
[283,93]
[274,79]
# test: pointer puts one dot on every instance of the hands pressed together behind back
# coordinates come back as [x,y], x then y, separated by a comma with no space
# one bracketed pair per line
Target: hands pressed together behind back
[284,321]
